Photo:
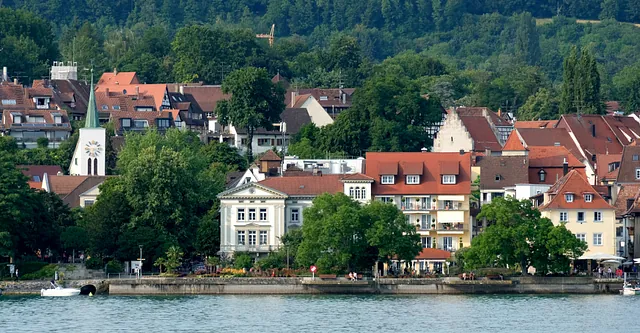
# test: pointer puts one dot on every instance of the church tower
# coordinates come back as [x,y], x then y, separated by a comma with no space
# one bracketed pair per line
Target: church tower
[89,155]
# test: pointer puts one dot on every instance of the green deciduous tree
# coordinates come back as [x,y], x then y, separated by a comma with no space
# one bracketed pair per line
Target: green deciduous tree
[339,234]
[255,102]
[627,83]
[519,236]
[527,41]
[541,106]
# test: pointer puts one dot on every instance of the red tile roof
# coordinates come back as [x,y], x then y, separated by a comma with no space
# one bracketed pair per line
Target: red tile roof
[270,156]
[430,181]
[150,117]
[627,192]
[535,124]
[121,78]
[305,185]
[628,164]
[326,97]
[63,185]
[481,133]
[434,254]
[549,137]
[207,97]
[613,175]
[603,161]
[626,129]
[513,143]
[47,115]
[604,141]
[481,112]
[540,157]
[39,170]
[156,91]
[577,185]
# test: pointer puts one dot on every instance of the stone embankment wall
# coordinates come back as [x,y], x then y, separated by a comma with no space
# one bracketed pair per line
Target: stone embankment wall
[34,287]
[214,286]
[284,286]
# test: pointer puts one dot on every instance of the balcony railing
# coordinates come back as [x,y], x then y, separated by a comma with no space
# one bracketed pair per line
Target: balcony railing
[446,247]
[442,227]
[39,125]
[417,206]
[451,206]
[255,248]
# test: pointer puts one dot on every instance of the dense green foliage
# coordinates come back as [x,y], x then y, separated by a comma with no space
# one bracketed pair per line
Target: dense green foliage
[518,236]
[165,196]
[339,234]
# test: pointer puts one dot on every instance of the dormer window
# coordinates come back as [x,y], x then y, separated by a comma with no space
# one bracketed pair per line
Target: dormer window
[448,179]
[116,107]
[105,107]
[413,179]
[387,179]
[542,175]
[588,197]
[568,197]
[498,177]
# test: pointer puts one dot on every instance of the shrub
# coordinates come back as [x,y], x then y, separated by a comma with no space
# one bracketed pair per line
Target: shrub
[46,272]
[273,260]
[30,267]
[243,261]
[94,263]
[114,266]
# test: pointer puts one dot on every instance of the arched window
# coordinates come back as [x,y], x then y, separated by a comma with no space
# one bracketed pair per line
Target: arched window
[363,193]
[351,192]
[89,166]
[95,166]
[542,174]
[358,193]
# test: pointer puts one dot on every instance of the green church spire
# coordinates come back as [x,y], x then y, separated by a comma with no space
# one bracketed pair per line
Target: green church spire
[91,119]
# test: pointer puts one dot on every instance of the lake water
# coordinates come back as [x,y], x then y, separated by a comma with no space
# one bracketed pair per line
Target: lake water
[326,313]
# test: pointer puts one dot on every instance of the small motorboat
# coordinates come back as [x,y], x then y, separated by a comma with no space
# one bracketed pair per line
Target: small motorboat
[57,291]
[629,290]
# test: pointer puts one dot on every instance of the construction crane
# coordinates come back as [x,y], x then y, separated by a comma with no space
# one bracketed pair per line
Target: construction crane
[268,36]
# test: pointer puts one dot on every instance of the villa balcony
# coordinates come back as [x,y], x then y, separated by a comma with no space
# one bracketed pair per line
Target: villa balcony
[417,206]
[252,248]
[442,227]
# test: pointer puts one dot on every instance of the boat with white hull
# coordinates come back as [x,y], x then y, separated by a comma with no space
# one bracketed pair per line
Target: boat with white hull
[60,292]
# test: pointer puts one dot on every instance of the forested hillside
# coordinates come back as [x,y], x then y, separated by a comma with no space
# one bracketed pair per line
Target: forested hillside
[495,53]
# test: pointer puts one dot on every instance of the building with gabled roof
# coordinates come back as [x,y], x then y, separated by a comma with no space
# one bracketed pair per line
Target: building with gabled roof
[629,171]
[469,132]
[432,189]
[254,216]
[574,203]
[75,191]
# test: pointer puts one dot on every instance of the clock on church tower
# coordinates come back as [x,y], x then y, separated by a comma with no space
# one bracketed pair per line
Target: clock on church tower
[93,148]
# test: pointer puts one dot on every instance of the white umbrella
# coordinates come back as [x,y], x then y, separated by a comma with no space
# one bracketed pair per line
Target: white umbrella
[611,261]
[627,263]
[600,256]
[636,260]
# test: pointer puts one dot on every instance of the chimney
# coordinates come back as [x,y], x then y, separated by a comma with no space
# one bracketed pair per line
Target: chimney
[115,71]
[181,89]
[424,149]
[59,173]
[106,91]
[499,112]
[487,152]
[593,130]
[344,97]
[15,81]
[5,77]
[565,167]
[294,94]
[137,90]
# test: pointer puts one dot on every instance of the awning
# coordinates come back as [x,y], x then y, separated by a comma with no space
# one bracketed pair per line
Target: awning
[451,197]
[600,256]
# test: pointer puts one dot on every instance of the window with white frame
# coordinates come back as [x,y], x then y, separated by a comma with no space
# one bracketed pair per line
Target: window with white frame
[263,214]
[568,197]
[252,237]
[597,216]
[426,242]
[295,215]
[241,236]
[386,199]
[448,179]
[387,179]
[352,192]
[363,193]
[413,179]
[252,214]
[582,237]
[263,237]
[597,239]
[580,216]
[564,217]
[588,197]
[240,214]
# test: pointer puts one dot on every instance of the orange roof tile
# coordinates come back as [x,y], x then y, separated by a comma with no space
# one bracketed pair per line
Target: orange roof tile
[603,161]
[535,124]
[305,185]
[481,133]
[122,78]
[540,157]
[270,156]
[430,181]
[435,254]
[626,196]
[157,91]
[63,185]
[577,185]
[513,143]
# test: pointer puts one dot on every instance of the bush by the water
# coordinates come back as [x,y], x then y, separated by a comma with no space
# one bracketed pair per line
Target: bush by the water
[44,273]
[94,263]
[114,266]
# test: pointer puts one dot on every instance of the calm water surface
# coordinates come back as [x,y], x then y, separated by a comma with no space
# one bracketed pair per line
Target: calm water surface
[459,314]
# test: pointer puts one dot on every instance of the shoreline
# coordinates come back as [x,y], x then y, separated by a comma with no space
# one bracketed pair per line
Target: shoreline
[302,286]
